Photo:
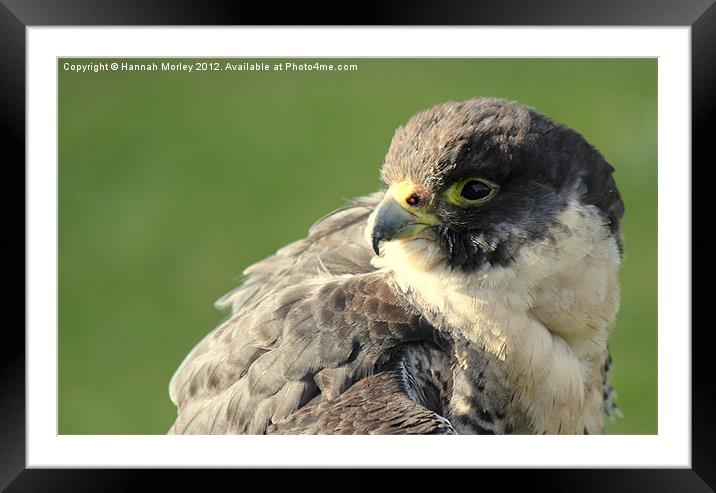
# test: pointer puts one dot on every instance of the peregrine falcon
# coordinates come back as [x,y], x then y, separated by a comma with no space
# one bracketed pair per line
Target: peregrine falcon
[474,294]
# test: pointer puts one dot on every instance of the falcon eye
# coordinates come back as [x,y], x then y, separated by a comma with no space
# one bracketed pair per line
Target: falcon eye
[475,190]
[471,191]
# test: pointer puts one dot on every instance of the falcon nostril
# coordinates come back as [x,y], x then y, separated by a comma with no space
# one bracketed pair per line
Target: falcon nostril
[413,200]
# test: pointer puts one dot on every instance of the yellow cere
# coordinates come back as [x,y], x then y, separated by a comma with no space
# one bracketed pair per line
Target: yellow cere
[401,191]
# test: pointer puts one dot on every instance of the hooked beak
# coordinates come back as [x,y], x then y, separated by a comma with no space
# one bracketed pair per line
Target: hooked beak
[395,219]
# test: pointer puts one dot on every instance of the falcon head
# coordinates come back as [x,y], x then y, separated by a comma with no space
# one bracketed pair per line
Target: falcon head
[481,179]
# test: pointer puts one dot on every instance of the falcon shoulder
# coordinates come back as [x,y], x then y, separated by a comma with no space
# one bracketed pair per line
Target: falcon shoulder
[315,329]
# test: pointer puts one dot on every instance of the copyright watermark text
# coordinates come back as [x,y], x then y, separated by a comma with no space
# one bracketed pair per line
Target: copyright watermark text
[208,66]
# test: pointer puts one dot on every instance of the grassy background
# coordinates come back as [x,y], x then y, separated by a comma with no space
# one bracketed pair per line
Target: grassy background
[170,184]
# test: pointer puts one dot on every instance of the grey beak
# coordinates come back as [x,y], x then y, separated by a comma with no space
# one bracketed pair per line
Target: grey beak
[392,221]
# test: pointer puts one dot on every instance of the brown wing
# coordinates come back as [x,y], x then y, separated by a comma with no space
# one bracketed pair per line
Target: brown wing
[308,323]
[335,241]
[377,405]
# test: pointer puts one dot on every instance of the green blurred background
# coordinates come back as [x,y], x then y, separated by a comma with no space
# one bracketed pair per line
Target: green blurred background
[171,183]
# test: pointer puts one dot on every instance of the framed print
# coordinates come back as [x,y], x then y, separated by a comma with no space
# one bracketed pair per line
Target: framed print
[161,161]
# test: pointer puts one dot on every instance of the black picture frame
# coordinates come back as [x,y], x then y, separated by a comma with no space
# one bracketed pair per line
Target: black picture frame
[16,15]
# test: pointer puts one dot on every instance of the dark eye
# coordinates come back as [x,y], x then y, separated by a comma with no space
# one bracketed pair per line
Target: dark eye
[475,190]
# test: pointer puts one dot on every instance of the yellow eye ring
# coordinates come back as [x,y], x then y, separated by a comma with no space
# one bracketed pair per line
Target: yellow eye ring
[471,191]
